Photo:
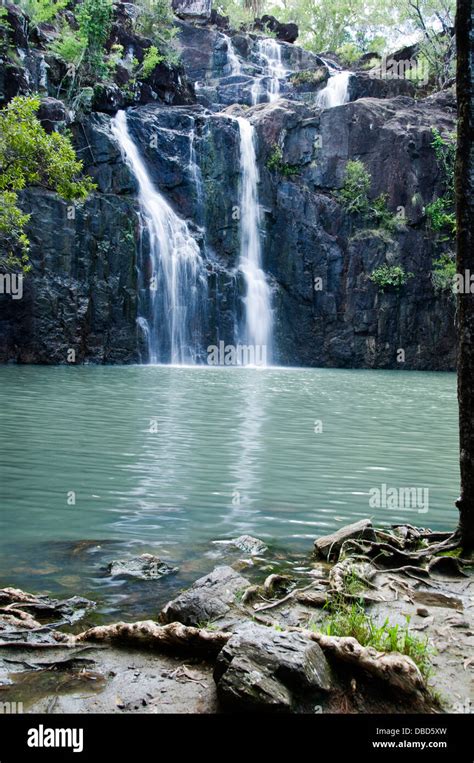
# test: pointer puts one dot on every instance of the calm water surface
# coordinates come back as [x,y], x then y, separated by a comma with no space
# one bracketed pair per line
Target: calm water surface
[168,459]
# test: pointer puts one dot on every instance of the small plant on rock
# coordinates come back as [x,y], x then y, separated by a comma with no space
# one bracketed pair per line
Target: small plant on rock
[390,277]
[276,164]
[443,273]
[441,212]
[354,197]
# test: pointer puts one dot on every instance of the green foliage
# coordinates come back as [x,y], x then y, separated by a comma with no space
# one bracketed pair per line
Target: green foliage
[370,64]
[443,273]
[29,156]
[354,193]
[276,164]
[15,244]
[238,12]
[95,19]
[353,584]
[42,10]
[349,53]
[156,21]
[441,212]
[437,43]
[151,59]
[309,77]
[439,215]
[351,620]
[330,24]
[69,46]
[114,58]
[354,197]
[390,276]
[83,49]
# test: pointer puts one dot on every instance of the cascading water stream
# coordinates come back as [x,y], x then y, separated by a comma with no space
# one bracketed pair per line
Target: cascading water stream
[257,332]
[269,52]
[336,91]
[173,286]
[233,63]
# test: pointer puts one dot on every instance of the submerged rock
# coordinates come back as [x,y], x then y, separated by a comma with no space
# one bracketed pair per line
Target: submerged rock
[261,667]
[210,597]
[247,544]
[143,567]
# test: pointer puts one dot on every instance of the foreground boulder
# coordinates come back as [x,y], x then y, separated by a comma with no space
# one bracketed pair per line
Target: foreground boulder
[262,668]
[329,546]
[210,597]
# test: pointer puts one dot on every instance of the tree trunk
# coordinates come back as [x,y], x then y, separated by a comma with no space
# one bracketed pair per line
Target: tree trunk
[465,263]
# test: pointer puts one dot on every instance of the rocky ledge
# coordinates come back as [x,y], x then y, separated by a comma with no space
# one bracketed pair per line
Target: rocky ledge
[379,623]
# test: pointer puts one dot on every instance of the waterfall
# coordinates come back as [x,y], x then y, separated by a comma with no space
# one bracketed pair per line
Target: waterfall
[258,314]
[336,91]
[233,62]
[173,284]
[269,52]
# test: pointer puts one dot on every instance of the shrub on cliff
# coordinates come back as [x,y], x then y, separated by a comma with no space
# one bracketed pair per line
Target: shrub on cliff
[441,212]
[41,11]
[388,277]
[156,21]
[29,156]
[354,197]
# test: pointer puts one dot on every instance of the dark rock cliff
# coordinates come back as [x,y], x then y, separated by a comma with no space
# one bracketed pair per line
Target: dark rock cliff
[82,293]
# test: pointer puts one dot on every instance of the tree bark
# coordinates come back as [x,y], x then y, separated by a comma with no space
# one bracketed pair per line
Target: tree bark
[465,263]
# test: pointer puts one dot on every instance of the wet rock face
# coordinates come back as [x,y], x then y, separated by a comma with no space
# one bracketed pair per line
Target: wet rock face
[83,294]
[365,85]
[210,597]
[17,22]
[52,114]
[347,321]
[262,669]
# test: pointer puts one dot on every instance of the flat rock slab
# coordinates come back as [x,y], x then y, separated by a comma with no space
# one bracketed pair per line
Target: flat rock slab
[143,567]
[328,546]
[44,608]
[117,681]
[262,668]
[210,597]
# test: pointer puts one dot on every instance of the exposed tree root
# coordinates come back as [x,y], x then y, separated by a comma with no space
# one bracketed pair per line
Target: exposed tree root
[147,633]
[291,595]
[396,670]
